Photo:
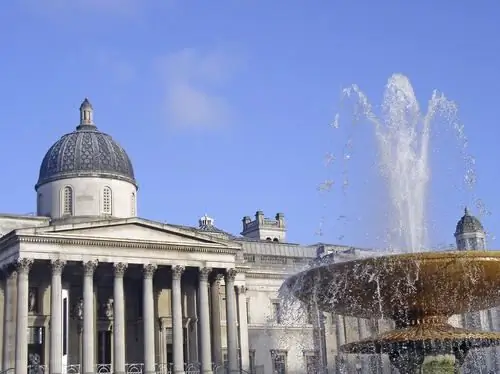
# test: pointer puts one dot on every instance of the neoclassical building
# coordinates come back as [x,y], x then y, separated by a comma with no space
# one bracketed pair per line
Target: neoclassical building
[88,286]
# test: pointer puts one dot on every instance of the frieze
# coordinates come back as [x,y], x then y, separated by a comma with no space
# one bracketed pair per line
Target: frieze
[177,271]
[115,243]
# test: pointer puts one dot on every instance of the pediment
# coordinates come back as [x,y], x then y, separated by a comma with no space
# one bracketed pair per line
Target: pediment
[134,230]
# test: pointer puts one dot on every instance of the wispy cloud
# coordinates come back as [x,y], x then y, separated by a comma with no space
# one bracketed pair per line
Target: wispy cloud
[194,84]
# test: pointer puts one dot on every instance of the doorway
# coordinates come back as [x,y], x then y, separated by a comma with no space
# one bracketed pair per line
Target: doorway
[104,347]
[36,349]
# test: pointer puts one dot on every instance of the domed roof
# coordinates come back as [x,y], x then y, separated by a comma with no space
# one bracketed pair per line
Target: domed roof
[86,152]
[468,224]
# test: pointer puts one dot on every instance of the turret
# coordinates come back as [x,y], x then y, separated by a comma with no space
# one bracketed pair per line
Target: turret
[469,234]
[263,228]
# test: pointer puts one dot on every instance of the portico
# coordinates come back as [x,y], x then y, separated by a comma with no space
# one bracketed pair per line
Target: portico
[120,296]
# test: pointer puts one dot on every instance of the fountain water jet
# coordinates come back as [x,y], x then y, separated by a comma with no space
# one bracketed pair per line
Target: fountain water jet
[418,291]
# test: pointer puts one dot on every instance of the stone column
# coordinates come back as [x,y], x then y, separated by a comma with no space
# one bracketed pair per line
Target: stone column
[56,317]
[177,328]
[148,318]
[232,331]
[243,323]
[23,269]
[364,332]
[204,315]
[88,339]
[340,361]
[119,319]
[216,318]
[9,329]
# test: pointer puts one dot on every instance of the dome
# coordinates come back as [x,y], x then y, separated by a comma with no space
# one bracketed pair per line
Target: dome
[86,152]
[468,224]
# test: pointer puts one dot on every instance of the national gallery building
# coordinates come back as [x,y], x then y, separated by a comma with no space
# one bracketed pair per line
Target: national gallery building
[89,287]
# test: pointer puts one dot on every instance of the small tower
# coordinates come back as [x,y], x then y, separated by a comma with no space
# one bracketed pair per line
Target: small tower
[265,228]
[469,234]
[86,116]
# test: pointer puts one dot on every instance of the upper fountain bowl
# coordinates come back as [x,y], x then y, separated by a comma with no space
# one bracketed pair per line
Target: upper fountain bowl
[404,287]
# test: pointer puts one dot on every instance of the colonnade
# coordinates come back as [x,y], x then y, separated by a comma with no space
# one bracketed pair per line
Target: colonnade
[88,365]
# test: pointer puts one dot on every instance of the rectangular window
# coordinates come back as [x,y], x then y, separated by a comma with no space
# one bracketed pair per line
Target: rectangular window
[279,360]
[223,309]
[311,362]
[276,312]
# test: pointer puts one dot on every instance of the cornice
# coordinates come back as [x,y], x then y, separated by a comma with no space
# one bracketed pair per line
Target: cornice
[114,243]
[257,274]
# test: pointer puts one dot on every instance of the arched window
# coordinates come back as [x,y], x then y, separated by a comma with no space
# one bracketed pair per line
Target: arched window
[132,204]
[68,201]
[107,201]
[276,240]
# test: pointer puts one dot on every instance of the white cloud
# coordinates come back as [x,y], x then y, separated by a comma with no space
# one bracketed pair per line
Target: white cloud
[194,84]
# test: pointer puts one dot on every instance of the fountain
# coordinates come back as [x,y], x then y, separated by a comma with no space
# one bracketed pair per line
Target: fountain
[418,290]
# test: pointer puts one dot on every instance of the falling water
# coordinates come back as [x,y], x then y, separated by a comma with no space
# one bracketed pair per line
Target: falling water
[402,132]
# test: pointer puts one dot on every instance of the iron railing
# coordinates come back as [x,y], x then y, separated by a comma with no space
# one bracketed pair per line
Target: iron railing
[131,368]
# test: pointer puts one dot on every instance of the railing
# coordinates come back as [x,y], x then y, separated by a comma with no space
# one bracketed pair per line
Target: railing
[132,368]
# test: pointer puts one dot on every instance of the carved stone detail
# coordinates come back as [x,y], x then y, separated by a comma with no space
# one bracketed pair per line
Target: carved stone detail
[204,273]
[230,275]
[241,290]
[57,266]
[120,268]
[149,270]
[23,265]
[89,267]
[77,312]
[177,271]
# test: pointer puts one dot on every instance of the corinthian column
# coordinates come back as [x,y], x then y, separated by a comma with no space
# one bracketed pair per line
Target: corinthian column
[206,362]
[216,318]
[23,268]
[177,328]
[243,323]
[119,319]
[148,318]
[56,338]
[9,329]
[88,317]
[232,331]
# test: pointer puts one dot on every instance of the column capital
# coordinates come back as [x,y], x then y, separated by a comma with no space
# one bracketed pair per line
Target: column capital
[148,270]
[241,290]
[177,271]
[119,269]
[23,265]
[57,266]
[89,267]
[204,273]
[230,275]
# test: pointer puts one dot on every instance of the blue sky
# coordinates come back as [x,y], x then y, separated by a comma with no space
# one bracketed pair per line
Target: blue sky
[224,106]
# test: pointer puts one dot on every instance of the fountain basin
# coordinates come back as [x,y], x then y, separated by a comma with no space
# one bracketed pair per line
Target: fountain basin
[406,288]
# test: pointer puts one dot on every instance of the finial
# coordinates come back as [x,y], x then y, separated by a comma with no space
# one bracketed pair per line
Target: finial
[86,116]
[466,211]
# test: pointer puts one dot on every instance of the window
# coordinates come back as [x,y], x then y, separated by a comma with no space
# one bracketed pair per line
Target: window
[311,359]
[68,201]
[106,201]
[276,240]
[279,361]
[132,204]
[223,309]
[276,312]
